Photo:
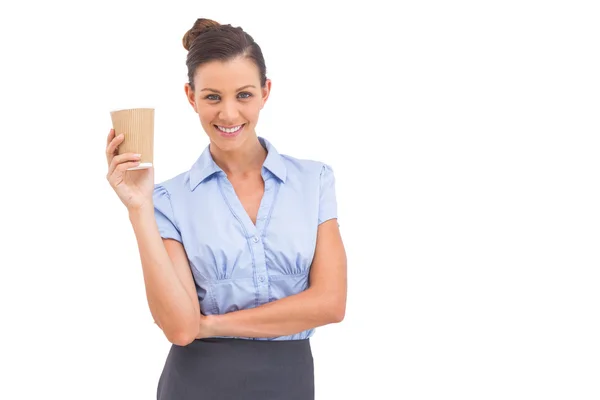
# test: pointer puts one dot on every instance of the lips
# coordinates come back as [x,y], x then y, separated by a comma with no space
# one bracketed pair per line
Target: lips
[229,131]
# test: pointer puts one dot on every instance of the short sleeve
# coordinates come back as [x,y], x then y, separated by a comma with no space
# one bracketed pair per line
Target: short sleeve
[327,196]
[163,212]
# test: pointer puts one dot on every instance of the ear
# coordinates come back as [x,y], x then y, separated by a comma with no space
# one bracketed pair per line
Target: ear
[265,92]
[191,96]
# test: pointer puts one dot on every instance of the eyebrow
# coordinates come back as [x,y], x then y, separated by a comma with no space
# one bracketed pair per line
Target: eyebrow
[237,90]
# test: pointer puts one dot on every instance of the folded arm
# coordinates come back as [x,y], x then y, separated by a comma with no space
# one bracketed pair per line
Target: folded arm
[324,302]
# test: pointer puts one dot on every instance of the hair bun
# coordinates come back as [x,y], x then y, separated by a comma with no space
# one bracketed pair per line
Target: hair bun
[200,26]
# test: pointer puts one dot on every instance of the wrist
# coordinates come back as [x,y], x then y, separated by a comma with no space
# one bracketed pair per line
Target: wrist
[141,210]
[209,326]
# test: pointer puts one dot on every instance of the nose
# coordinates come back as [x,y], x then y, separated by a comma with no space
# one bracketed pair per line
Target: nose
[229,112]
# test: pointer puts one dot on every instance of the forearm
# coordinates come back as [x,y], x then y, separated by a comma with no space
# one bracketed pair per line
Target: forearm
[169,303]
[306,310]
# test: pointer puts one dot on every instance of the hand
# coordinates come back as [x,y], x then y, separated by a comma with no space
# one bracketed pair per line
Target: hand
[134,188]
[206,328]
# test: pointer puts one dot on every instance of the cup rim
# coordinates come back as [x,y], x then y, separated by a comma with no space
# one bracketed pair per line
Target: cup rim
[132,109]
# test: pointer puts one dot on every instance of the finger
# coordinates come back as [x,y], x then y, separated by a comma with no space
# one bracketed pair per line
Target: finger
[120,169]
[122,158]
[111,136]
[112,147]
[126,165]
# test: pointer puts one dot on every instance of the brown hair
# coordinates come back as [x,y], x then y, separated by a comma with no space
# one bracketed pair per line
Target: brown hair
[208,40]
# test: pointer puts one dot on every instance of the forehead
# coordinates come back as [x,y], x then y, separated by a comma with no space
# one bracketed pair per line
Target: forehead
[227,75]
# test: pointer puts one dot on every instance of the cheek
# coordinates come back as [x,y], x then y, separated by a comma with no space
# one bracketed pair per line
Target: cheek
[207,114]
[251,111]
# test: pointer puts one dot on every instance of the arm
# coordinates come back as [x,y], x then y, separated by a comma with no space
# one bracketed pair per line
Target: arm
[170,289]
[324,302]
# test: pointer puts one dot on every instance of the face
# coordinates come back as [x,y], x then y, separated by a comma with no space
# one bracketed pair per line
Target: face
[228,98]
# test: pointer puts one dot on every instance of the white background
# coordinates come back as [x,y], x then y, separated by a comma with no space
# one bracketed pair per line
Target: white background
[464,137]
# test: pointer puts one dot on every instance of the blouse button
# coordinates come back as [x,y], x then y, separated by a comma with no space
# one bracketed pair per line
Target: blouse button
[261,278]
[255,239]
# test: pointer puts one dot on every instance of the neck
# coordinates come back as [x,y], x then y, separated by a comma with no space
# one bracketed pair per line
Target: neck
[243,161]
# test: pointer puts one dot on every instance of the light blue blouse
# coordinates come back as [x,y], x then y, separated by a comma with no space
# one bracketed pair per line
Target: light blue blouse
[238,265]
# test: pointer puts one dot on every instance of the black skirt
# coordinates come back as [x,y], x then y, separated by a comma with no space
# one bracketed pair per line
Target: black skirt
[238,369]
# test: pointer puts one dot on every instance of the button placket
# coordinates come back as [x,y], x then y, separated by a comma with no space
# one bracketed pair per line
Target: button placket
[257,240]
[260,271]
[266,203]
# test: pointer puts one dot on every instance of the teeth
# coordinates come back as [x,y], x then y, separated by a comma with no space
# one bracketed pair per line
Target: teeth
[230,130]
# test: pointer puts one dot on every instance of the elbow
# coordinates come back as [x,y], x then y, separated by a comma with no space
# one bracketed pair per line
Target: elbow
[338,314]
[181,338]
[337,311]
[332,307]
[183,335]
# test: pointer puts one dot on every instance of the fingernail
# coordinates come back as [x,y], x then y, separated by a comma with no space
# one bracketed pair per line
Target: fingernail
[137,155]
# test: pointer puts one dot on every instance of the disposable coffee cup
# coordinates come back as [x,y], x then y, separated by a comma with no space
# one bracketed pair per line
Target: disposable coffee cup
[137,126]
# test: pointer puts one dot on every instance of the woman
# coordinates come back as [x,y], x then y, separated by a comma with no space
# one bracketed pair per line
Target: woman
[242,255]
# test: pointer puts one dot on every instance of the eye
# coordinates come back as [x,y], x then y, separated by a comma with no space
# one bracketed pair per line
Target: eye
[245,95]
[212,97]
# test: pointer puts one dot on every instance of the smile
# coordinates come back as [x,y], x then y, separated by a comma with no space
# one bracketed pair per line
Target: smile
[230,132]
[233,129]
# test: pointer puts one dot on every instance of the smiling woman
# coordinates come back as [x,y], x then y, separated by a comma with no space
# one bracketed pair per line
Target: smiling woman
[242,254]
[227,84]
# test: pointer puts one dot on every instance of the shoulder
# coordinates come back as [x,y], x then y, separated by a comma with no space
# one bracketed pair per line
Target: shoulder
[173,186]
[315,180]
[170,200]
[306,168]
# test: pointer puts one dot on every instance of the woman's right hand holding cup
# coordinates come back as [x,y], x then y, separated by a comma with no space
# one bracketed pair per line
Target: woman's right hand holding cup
[134,188]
